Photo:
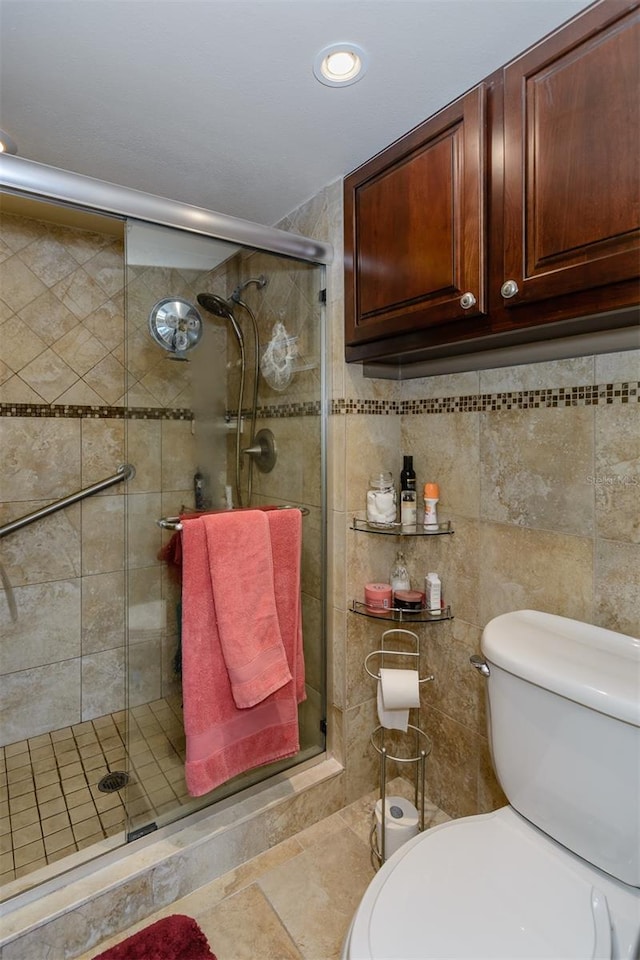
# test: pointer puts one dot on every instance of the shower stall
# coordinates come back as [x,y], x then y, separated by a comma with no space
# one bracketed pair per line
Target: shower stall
[156,359]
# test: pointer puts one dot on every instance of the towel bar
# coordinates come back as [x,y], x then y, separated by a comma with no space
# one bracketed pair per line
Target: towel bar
[173,523]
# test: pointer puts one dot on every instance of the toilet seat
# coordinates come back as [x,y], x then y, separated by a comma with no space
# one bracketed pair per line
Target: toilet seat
[488,887]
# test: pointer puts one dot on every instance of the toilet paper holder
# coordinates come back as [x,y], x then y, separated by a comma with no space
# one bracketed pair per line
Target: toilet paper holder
[385,652]
[420,741]
[422,750]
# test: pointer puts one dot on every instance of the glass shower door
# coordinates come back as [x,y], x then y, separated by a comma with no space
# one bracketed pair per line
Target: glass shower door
[185,423]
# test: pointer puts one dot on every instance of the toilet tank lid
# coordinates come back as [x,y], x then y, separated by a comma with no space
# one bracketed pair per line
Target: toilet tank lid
[591,665]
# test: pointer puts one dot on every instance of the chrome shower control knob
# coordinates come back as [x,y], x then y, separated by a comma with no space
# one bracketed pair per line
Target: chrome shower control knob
[467,300]
[509,289]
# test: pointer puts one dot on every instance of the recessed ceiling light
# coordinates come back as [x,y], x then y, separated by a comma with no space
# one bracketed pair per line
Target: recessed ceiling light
[7,144]
[340,64]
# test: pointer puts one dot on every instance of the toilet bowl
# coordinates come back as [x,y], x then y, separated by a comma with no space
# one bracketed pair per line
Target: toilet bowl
[493,887]
[556,874]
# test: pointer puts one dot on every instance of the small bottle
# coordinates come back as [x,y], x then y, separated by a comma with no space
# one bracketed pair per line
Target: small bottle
[431,497]
[433,590]
[199,491]
[399,574]
[408,475]
[408,496]
[381,499]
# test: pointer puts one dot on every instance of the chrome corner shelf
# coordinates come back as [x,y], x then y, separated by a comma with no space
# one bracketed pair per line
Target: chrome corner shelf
[397,615]
[397,529]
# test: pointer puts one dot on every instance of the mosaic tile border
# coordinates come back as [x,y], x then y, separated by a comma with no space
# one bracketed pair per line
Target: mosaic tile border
[77,411]
[310,408]
[306,408]
[559,397]
[582,396]
[375,407]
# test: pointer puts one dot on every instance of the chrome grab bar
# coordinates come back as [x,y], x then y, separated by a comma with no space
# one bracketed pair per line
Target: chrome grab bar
[173,523]
[126,471]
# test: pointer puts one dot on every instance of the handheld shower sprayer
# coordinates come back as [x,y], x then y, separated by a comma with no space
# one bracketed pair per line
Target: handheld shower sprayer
[222,308]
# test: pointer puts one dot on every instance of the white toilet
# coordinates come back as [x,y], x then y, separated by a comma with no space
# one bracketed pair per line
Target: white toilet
[556,874]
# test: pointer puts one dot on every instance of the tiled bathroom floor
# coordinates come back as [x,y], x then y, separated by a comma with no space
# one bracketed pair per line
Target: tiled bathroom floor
[50,804]
[293,902]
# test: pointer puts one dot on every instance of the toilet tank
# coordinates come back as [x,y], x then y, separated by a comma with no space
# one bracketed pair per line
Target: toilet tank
[564,729]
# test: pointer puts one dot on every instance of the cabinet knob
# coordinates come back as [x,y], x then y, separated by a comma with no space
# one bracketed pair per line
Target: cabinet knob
[509,289]
[467,300]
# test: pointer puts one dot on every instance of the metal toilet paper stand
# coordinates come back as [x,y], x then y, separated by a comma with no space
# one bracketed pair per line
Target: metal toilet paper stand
[415,740]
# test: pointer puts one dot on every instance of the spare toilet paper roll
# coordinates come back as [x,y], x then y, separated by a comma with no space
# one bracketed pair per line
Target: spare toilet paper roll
[401,823]
[398,691]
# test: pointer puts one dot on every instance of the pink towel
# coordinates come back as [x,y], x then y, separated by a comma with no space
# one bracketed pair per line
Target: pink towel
[223,740]
[242,577]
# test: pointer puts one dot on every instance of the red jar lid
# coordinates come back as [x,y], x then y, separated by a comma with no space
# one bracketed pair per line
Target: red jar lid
[408,599]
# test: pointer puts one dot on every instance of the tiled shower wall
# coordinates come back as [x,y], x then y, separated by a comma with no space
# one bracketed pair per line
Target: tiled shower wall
[539,471]
[80,394]
[67,375]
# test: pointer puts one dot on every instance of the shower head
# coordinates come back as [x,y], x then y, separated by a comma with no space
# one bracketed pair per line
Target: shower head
[215,305]
[220,308]
[260,282]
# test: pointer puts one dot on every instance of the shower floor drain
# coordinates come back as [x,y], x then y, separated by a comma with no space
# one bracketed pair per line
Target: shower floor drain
[112,782]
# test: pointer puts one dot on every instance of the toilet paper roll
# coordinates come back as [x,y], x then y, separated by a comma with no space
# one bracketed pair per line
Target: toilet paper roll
[398,691]
[400,688]
[401,823]
[391,719]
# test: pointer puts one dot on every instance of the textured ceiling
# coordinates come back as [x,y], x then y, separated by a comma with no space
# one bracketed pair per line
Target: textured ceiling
[213,102]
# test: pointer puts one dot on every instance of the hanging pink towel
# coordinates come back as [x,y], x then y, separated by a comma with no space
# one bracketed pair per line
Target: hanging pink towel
[241,564]
[286,543]
[224,740]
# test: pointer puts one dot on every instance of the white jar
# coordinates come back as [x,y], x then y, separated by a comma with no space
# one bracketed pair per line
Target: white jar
[381,499]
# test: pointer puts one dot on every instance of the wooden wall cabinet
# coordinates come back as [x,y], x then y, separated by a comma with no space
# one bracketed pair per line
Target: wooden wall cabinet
[415,236]
[571,158]
[524,193]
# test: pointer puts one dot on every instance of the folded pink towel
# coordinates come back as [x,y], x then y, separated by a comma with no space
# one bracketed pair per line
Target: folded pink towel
[241,563]
[222,739]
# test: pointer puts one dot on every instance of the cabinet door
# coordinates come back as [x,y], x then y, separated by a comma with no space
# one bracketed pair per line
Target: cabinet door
[571,175]
[414,227]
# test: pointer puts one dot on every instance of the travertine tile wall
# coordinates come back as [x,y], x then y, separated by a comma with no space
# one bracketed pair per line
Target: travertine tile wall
[539,471]
[68,371]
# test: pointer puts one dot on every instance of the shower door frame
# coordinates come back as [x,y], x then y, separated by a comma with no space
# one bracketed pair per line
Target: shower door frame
[62,186]
[37,181]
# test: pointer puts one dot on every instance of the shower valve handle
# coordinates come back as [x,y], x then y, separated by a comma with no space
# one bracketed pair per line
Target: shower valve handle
[263,451]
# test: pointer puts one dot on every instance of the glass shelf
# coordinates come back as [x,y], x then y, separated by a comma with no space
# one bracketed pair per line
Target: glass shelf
[396,615]
[398,529]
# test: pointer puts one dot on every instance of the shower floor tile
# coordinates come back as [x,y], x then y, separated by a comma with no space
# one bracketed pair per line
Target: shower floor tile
[50,804]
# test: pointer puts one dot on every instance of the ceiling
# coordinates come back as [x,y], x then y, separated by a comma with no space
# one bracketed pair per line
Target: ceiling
[214,102]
